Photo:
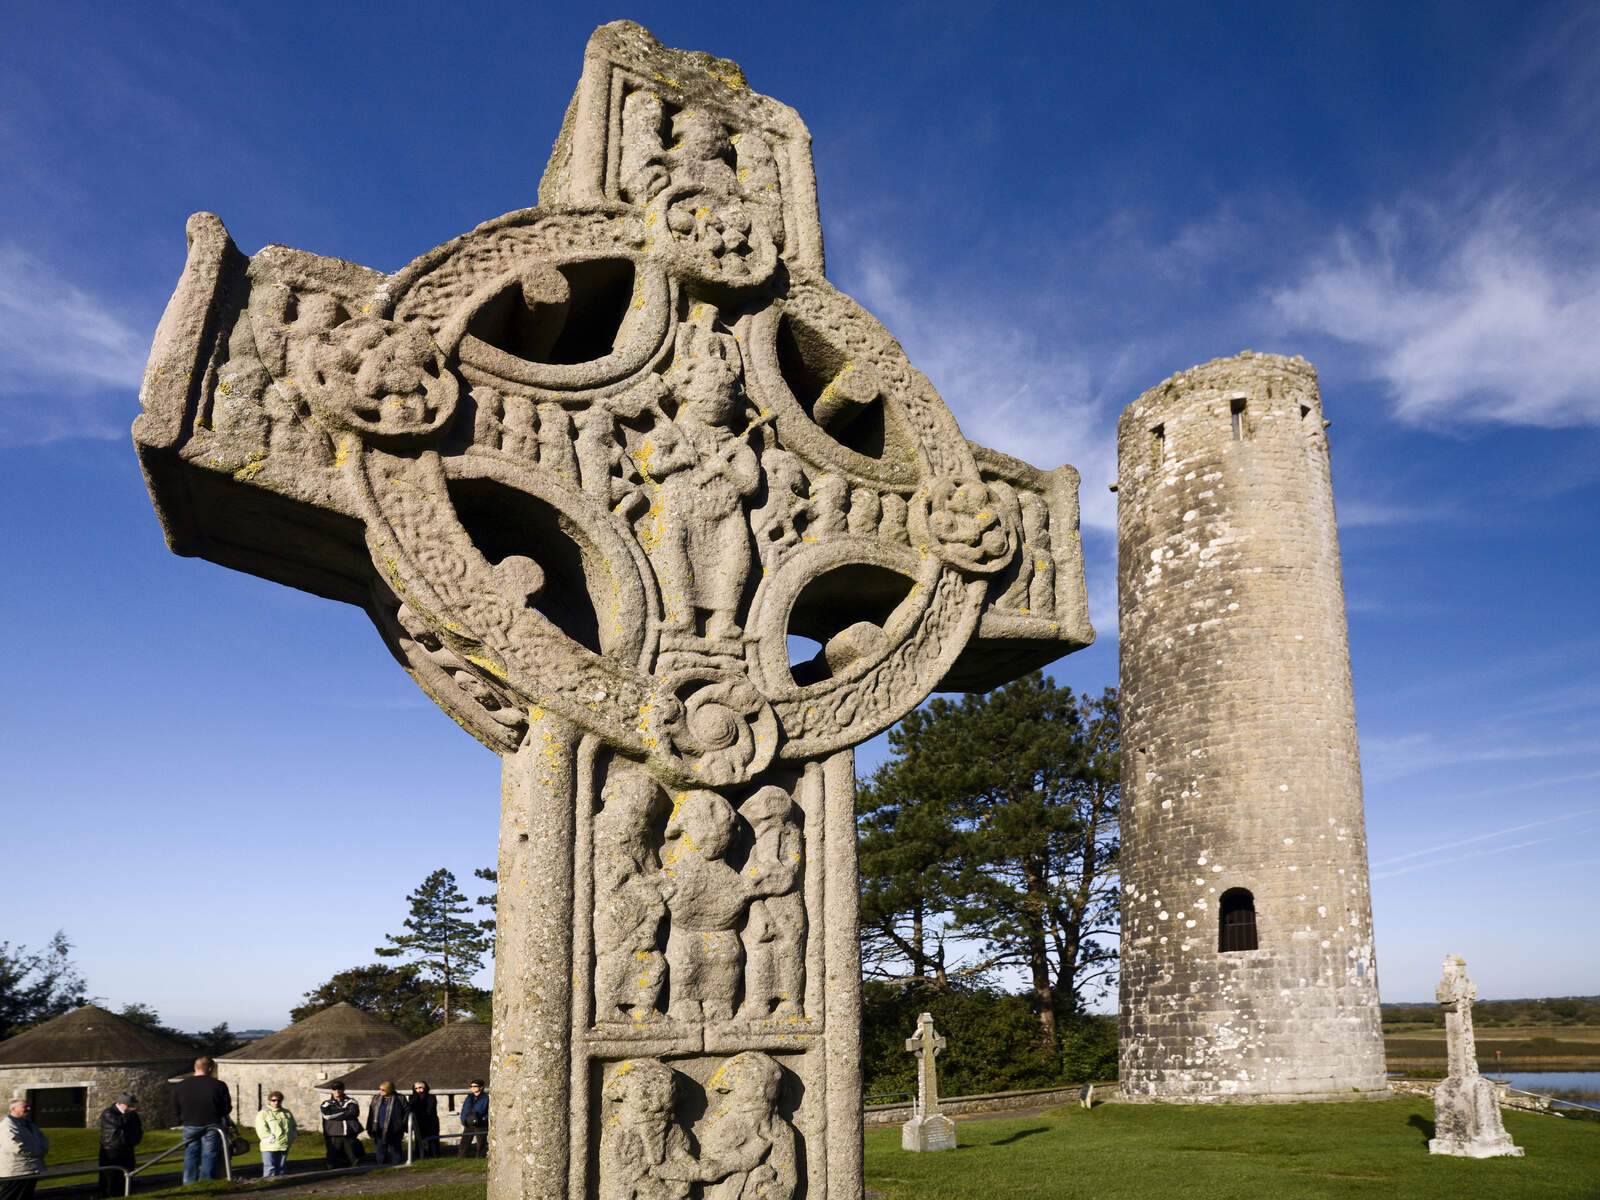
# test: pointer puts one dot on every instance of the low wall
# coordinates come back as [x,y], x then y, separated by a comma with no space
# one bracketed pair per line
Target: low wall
[899,1114]
[1505,1095]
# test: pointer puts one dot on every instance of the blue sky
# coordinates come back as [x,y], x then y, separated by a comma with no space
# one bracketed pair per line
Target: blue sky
[223,789]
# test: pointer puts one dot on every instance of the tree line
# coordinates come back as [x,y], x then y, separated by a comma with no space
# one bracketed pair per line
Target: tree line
[989,890]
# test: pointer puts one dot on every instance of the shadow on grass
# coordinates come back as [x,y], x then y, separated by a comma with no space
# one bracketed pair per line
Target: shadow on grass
[1418,1121]
[1020,1134]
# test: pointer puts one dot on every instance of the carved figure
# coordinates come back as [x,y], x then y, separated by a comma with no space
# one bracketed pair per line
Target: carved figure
[644,1153]
[747,1149]
[775,931]
[630,968]
[778,522]
[706,901]
[704,469]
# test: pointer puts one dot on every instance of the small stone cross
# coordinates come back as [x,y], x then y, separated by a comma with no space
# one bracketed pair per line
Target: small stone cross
[926,1046]
[1466,1106]
[1457,992]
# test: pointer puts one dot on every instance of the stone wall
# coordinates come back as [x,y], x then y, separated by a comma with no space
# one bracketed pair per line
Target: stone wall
[104,1081]
[251,1081]
[990,1102]
[1240,765]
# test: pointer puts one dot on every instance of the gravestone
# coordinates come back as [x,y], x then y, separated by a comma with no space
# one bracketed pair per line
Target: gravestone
[592,468]
[1466,1114]
[929,1128]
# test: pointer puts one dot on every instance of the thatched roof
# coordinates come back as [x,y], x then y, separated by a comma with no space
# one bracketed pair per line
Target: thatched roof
[339,1033]
[446,1059]
[92,1035]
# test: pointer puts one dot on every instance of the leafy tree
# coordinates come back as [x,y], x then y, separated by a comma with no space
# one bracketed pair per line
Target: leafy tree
[993,1044]
[219,1039]
[396,994]
[37,985]
[491,901]
[143,1014]
[1005,806]
[447,948]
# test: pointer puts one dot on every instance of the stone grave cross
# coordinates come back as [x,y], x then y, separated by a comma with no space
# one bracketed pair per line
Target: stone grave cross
[926,1045]
[928,1129]
[1457,992]
[1466,1107]
[591,469]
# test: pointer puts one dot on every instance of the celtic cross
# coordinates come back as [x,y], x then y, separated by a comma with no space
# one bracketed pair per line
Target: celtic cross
[592,469]
[926,1046]
[1456,992]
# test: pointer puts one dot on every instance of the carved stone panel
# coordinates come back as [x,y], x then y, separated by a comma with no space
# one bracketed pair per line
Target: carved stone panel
[596,470]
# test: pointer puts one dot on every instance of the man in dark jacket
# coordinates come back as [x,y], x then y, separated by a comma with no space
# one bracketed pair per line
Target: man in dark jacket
[341,1127]
[474,1122]
[386,1122]
[424,1109]
[202,1100]
[120,1131]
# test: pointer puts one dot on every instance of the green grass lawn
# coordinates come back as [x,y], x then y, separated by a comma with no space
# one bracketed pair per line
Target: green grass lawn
[1374,1149]
[1235,1152]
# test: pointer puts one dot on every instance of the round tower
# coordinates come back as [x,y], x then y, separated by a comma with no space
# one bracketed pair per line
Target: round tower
[1247,959]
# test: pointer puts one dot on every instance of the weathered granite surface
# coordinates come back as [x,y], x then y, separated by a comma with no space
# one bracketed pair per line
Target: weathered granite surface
[589,468]
[1466,1108]
[928,1128]
[1240,771]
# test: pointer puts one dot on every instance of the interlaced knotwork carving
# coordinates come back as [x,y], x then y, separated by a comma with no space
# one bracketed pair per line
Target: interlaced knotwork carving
[597,469]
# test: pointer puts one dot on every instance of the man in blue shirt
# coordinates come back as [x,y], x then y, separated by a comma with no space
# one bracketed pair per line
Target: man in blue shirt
[474,1122]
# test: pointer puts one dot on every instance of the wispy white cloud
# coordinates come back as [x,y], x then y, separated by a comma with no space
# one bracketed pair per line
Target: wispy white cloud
[1009,386]
[1354,513]
[1499,328]
[61,350]
[1492,835]
[1476,298]
[1387,758]
[1500,849]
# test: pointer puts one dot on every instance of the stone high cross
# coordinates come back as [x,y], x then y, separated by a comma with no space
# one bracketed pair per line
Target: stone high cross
[928,1128]
[926,1046]
[1466,1108]
[589,468]
[1457,992]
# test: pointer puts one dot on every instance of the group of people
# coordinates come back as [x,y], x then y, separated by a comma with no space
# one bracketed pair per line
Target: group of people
[202,1106]
[389,1113]
[23,1145]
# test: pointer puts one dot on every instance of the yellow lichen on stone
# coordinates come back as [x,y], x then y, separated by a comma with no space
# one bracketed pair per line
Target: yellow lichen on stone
[255,463]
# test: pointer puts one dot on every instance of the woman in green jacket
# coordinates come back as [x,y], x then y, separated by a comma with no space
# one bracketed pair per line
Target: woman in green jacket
[276,1129]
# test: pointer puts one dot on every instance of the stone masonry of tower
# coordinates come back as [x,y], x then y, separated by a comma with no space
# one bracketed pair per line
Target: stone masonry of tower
[1241,776]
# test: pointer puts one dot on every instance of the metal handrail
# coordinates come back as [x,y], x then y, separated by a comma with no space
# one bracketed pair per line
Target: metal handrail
[1553,1100]
[412,1139]
[129,1172]
[227,1157]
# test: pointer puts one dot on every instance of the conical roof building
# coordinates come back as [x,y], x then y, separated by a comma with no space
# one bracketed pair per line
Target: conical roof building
[340,1031]
[295,1060]
[446,1060]
[73,1067]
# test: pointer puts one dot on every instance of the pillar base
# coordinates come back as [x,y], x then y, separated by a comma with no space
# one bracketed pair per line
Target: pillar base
[936,1132]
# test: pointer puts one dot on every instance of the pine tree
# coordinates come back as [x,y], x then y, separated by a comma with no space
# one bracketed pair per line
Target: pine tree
[996,822]
[447,948]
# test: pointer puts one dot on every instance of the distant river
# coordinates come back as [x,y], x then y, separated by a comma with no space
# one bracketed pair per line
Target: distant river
[1550,1081]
